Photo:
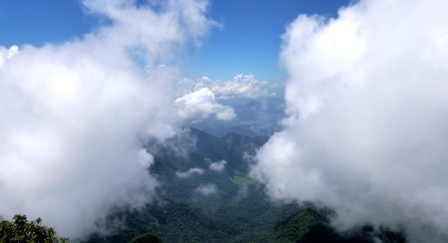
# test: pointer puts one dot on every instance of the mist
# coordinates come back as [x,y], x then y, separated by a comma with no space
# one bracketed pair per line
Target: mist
[367,108]
[76,114]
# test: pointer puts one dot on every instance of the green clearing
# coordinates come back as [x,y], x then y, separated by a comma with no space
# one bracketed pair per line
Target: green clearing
[242,180]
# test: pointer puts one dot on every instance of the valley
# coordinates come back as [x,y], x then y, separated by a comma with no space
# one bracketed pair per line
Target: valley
[207,195]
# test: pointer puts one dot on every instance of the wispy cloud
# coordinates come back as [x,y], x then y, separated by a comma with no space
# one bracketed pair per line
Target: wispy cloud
[73,114]
[190,172]
[367,105]
[207,189]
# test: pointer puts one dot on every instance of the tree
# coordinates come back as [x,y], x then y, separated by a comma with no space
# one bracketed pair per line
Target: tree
[22,231]
[146,238]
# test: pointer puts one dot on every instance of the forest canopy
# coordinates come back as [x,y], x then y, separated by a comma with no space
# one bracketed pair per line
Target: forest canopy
[20,230]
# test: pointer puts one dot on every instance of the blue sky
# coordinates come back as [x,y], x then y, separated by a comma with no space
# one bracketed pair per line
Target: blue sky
[248,42]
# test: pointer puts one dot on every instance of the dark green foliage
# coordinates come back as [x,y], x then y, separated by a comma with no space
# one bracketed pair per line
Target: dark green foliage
[364,234]
[146,238]
[290,228]
[311,225]
[178,222]
[22,231]
[171,222]
[295,227]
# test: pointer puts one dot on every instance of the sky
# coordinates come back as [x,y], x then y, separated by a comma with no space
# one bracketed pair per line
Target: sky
[366,103]
[246,39]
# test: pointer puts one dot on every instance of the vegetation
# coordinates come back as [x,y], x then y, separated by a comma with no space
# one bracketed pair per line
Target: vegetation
[311,225]
[22,231]
[241,180]
[146,238]
[239,211]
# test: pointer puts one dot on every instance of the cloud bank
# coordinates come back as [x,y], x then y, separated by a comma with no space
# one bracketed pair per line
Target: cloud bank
[367,106]
[200,104]
[74,115]
[242,86]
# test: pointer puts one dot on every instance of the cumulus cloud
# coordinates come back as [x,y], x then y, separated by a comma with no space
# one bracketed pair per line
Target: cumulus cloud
[200,104]
[218,166]
[367,105]
[242,86]
[190,172]
[207,189]
[74,115]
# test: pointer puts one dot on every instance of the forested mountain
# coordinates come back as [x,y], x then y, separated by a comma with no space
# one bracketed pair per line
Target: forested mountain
[205,195]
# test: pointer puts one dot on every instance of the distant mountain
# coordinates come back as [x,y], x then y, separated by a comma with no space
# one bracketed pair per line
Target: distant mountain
[250,130]
[254,118]
[264,112]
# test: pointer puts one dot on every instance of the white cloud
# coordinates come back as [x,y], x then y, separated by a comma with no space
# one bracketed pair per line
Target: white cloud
[241,86]
[73,114]
[13,50]
[190,172]
[218,166]
[207,189]
[195,106]
[144,158]
[367,104]
[7,53]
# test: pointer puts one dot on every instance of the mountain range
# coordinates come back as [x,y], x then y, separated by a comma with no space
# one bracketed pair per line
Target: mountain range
[206,195]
